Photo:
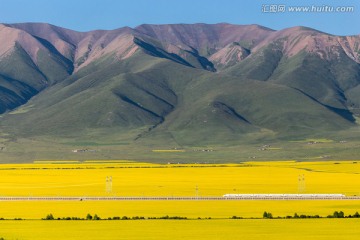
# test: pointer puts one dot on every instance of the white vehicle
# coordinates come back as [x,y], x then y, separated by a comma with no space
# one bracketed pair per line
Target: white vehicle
[285,196]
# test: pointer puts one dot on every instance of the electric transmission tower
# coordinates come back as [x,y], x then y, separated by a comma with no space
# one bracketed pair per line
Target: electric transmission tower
[301,183]
[108,188]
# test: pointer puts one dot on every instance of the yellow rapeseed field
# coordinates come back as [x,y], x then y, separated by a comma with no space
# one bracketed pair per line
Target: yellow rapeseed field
[168,150]
[189,209]
[53,178]
[328,229]
[145,179]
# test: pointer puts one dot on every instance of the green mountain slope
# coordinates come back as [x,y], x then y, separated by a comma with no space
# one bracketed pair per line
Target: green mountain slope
[179,85]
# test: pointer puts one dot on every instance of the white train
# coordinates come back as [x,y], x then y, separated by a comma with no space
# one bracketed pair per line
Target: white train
[286,196]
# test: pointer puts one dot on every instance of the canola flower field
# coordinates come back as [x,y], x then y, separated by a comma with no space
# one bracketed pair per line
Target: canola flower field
[89,178]
[146,179]
[250,229]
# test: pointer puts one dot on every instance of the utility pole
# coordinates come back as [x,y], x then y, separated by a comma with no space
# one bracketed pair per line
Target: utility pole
[301,183]
[108,188]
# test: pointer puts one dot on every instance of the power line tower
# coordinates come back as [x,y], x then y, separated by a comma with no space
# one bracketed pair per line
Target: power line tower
[108,187]
[301,183]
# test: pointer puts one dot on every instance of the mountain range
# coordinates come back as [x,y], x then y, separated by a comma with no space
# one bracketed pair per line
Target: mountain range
[187,84]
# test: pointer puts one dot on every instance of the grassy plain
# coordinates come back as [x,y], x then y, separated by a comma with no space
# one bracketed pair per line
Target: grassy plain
[179,229]
[26,150]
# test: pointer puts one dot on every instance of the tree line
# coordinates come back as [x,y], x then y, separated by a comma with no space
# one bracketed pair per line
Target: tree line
[266,215]
[96,217]
[336,214]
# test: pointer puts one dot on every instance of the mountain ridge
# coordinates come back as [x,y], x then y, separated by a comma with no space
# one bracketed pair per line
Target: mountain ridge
[191,83]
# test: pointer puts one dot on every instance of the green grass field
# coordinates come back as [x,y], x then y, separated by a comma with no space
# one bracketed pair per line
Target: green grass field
[26,151]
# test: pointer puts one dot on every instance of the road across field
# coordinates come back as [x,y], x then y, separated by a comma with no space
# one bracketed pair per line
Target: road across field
[169,198]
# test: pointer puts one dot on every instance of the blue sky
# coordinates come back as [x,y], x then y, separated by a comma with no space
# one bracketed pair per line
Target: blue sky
[85,15]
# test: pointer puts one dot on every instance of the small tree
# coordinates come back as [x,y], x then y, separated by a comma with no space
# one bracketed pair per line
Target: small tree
[339,214]
[49,217]
[96,217]
[89,217]
[267,215]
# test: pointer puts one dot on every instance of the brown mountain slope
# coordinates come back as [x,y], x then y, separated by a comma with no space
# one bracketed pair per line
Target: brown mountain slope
[206,38]
[296,39]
